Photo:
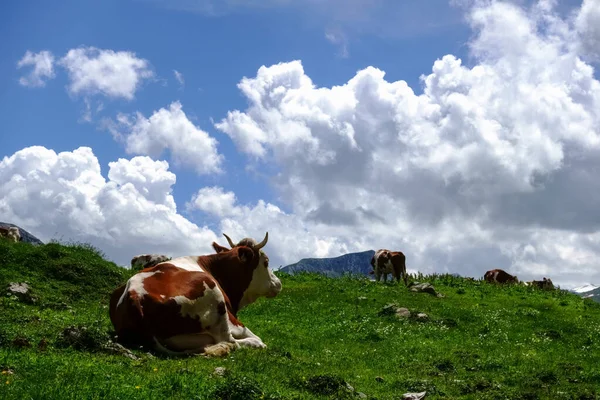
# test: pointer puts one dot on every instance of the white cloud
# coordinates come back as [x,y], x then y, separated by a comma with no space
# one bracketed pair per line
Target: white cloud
[179,77]
[65,196]
[587,24]
[489,161]
[43,68]
[338,38]
[170,129]
[116,74]
[213,200]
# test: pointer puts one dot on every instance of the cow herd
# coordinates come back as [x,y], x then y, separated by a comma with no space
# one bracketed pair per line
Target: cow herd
[189,304]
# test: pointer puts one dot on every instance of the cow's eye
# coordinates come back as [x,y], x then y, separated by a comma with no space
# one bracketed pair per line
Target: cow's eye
[266,263]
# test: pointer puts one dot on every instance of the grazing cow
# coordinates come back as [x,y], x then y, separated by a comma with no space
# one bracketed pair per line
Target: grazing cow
[389,262]
[143,261]
[499,276]
[12,233]
[545,284]
[189,305]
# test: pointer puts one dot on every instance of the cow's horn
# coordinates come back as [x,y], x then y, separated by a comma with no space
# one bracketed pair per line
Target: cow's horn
[263,243]
[229,240]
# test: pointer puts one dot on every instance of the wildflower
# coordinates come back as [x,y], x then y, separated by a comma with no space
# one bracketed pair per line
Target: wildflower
[155,369]
[137,387]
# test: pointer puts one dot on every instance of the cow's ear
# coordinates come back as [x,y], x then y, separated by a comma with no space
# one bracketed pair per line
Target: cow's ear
[245,254]
[218,248]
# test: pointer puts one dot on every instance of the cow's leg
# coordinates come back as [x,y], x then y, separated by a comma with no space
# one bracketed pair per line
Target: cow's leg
[377,275]
[385,277]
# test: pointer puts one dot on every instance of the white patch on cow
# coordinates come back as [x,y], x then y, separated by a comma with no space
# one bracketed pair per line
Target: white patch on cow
[162,296]
[263,283]
[189,263]
[388,267]
[136,284]
[203,308]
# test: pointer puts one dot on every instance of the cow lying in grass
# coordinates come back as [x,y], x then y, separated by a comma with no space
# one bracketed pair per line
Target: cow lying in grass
[189,305]
[12,233]
[142,261]
[499,276]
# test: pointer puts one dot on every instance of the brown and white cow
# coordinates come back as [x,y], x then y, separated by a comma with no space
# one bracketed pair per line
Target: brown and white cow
[12,233]
[499,276]
[545,284]
[389,262]
[189,305]
[142,261]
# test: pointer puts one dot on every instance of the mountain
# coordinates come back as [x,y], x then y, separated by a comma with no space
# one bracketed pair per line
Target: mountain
[25,236]
[588,291]
[355,263]
[584,288]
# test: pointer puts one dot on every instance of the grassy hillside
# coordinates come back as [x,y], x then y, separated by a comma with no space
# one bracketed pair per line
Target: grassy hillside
[478,342]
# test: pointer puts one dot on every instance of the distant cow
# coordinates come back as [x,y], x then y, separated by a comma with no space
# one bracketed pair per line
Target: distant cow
[389,262]
[545,284]
[499,276]
[189,305]
[143,261]
[12,233]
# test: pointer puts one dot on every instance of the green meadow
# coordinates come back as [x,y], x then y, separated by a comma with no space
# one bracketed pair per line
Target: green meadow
[327,339]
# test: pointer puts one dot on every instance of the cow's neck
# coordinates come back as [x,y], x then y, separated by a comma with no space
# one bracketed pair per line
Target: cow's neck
[232,277]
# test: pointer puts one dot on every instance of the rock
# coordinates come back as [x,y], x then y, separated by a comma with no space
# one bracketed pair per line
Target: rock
[22,291]
[423,287]
[379,379]
[361,395]
[414,396]
[402,312]
[349,387]
[116,348]
[219,371]
[422,316]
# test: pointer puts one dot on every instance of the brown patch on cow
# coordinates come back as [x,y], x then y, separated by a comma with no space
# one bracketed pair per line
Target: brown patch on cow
[240,263]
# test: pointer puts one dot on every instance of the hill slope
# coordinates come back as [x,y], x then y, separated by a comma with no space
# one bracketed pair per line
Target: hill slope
[354,263]
[25,236]
[479,341]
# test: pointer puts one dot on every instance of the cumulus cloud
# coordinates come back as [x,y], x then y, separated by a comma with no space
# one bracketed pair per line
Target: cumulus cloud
[490,166]
[115,74]
[65,196]
[214,200]
[43,68]
[587,24]
[168,128]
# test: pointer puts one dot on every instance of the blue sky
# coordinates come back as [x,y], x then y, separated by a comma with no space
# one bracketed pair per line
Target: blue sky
[324,198]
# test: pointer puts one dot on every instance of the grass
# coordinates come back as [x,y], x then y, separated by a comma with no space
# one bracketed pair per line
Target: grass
[480,341]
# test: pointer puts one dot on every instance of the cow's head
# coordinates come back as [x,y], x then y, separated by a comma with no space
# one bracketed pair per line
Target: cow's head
[264,282]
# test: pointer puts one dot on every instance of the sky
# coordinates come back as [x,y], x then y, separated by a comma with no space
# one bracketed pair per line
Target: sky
[464,133]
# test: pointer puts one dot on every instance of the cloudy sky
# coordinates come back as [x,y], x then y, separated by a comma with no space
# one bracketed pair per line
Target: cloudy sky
[464,133]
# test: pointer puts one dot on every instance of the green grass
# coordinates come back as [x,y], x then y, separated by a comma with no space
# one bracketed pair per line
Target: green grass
[479,342]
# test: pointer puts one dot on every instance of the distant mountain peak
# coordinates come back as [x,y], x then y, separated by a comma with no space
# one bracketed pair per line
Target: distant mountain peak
[355,263]
[585,288]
